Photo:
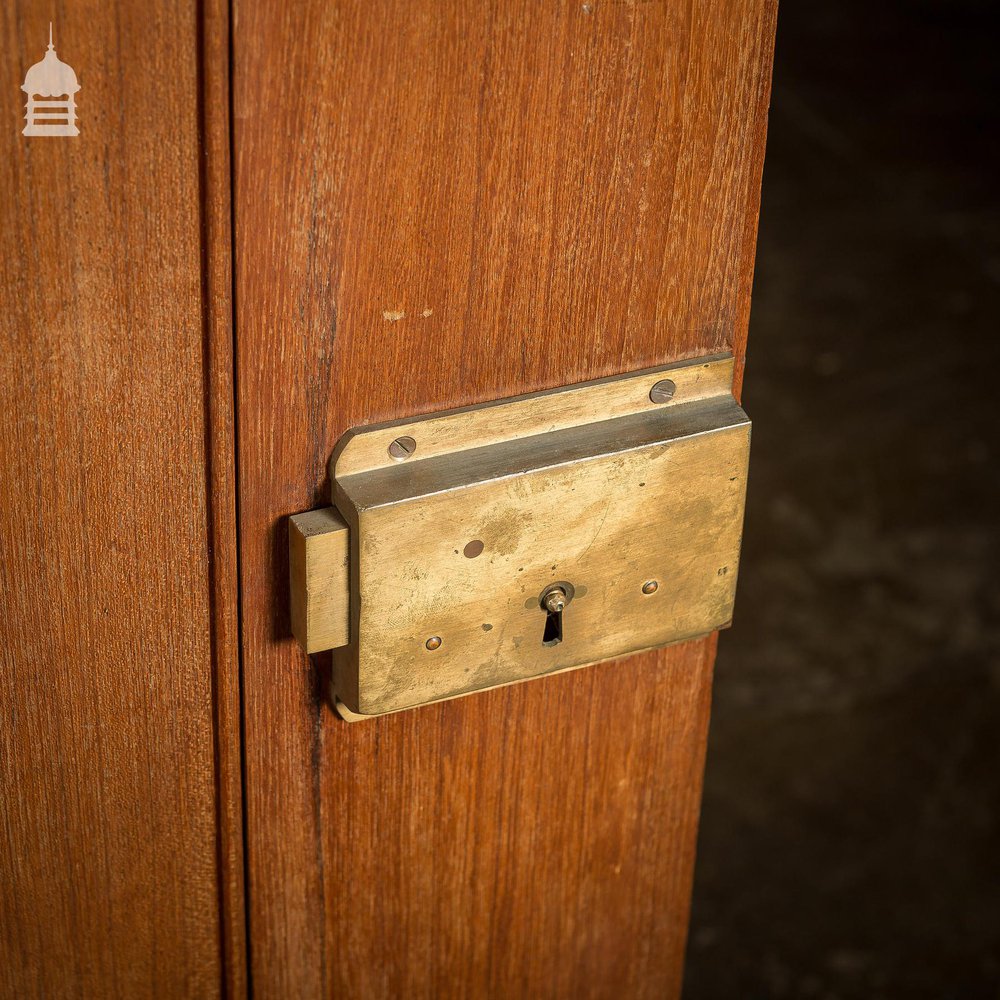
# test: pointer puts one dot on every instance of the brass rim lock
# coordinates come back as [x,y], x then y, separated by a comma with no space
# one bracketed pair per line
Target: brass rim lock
[424,576]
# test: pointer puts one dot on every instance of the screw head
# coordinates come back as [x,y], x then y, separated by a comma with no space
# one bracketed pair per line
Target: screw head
[402,448]
[663,391]
[650,587]
[434,642]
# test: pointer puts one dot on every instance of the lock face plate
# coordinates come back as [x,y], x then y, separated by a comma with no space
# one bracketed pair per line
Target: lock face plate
[636,505]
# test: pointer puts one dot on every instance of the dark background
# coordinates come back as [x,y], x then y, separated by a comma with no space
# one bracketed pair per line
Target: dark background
[850,837]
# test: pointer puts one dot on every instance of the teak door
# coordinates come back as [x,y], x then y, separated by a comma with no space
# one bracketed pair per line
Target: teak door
[278,222]
[121,867]
[437,204]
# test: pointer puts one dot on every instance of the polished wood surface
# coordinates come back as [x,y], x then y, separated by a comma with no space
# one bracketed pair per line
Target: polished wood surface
[214,41]
[120,873]
[438,204]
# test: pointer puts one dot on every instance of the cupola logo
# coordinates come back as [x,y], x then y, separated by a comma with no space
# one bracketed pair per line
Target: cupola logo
[50,78]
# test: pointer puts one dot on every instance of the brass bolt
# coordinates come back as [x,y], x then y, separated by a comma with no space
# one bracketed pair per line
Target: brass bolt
[434,642]
[649,587]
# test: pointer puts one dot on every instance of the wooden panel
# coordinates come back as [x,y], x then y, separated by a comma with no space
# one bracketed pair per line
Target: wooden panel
[115,848]
[220,435]
[439,204]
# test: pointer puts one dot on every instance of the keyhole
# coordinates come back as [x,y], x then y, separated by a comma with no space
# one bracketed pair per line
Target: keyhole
[552,635]
[553,601]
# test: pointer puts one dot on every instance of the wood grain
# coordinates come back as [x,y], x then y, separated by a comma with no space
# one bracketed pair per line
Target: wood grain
[116,847]
[439,204]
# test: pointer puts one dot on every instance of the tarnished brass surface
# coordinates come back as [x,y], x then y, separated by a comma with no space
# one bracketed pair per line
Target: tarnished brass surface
[320,587]
[633,507]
